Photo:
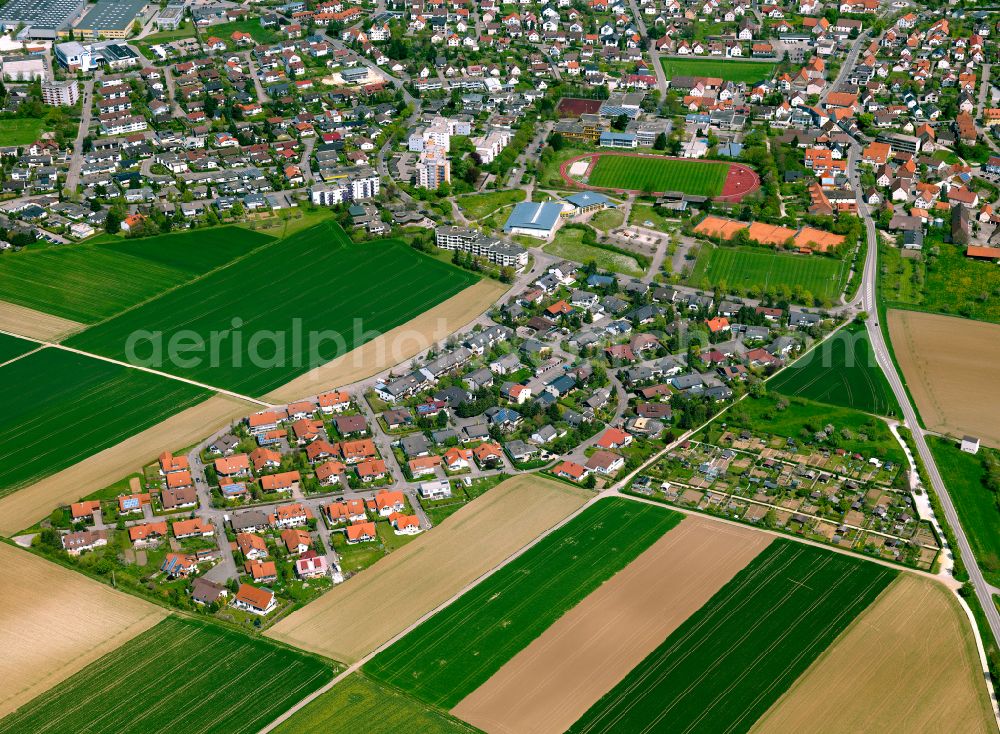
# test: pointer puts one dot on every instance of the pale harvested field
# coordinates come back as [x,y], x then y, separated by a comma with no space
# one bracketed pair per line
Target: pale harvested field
[54,622]
[552,682]
[908,663]
[359,615]
[24,508]
[35,324]
[395,346]
[950,367]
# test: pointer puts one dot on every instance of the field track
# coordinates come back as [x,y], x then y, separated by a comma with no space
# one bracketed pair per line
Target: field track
[342,625]
[908,663]
[552,682]
[55,621]
[949,365]
[24,508]
[395,346]
[740,181]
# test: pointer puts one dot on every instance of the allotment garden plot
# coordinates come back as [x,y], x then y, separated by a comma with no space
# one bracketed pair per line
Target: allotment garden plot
[459,648]
[833,497]
[728,662]
[282,310]
[180,676]
[60,407]
[96,281]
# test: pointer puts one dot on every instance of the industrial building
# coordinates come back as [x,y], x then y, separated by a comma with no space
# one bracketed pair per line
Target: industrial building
[110,19]
[43,20]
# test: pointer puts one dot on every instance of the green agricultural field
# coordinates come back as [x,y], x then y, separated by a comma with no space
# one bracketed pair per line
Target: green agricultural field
[181,676]
[800,419]
[965,475]
[90,282]
[568,243]
[747,72]
[756,270]
[359,704]
[459,648]
[477,206]
[295,305]
[840,371]
[11,347]
[60,407]
[697,178]
[20,130]
[734,657]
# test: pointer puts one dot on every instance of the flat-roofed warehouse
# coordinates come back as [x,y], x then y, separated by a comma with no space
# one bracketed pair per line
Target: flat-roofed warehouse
[40,19]
[110,18]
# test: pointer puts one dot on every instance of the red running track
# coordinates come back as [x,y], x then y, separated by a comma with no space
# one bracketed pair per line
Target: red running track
[740,181]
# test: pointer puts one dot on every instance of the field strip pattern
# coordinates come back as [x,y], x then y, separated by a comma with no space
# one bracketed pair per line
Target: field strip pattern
[27,506]
[55,622]
[354,618]
[150,685]
[907,663]
[554,680]
[724,667]
[391,348]
[459,648]
[15,319]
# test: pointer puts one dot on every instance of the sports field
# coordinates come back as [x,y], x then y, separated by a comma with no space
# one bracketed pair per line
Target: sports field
[724,667]
[180,676]
[840,371]
[360,704]
[20,130]
[60,407]
[747,72]
[459,648]
[54,621]
[756,270]
[340,624]
[908,663]
[965,475]
[90,282]
[281,310]
[647,173]
[11,347]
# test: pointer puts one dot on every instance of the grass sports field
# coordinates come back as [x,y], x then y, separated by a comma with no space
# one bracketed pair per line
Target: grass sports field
[731,71]
[459,648]
[976,505]
[180,676]
[360,704]
[724,667]
[20,130]
[757,270]
[316,283]
[840,371]
[123,272]
[11,347]
[60,407]
[659,174]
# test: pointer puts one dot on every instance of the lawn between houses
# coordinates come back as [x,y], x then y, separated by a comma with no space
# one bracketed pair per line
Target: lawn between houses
[728,662]
[283,309]
[459,648]
[840,371]
[123,272]
[698,178]
[760,270]
[20,130]
[568,243]
[150,684]
[747,72]
[60,407]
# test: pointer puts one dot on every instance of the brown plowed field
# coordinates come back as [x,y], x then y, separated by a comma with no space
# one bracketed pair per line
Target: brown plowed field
[552,682]
[907,664]
[395,346]
[35,324]
[24,508]
[54,622]
[359,615]
[950,368]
